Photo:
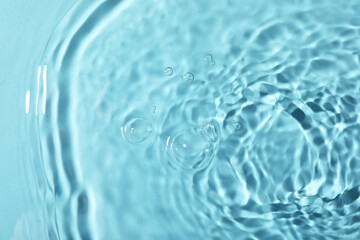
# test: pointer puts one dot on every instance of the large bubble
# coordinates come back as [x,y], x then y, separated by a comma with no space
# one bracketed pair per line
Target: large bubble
[137,130]
[194,147]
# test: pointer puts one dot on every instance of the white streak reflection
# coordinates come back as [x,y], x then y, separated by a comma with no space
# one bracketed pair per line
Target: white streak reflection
[27,101]
[44,89]
[37,93]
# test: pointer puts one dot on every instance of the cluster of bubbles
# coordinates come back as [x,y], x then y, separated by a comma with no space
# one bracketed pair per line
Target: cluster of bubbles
[191,149]
[189,77]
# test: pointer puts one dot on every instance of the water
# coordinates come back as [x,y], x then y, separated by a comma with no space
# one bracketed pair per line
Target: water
[201,120]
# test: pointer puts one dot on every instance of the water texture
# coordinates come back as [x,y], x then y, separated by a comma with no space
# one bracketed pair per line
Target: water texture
[201,120]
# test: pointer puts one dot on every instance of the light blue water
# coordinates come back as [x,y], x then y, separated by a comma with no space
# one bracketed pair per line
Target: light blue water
[174,120]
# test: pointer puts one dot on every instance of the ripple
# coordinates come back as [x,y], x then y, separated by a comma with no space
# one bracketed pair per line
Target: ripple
[263,145]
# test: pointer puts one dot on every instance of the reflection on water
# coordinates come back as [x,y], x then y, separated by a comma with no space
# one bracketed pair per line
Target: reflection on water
[144,136]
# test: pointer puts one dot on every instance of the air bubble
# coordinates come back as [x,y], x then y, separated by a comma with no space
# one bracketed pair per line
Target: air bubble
[168,71]
[193,148]
[137,130]
[188,77]
[208,58]
[236,125]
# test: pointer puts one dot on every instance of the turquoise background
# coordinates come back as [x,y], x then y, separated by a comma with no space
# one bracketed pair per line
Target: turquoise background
[25,27]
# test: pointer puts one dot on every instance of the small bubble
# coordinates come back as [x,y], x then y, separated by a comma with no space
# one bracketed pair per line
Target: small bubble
[236,125]
[208,58]
[137,130]
[212,63]
[188,77]
[154,109]
[168,71]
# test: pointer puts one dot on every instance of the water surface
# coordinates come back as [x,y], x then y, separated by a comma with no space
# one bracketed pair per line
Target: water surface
[201,120]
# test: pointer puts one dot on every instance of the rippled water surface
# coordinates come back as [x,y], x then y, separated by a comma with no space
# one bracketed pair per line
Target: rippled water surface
[202,120]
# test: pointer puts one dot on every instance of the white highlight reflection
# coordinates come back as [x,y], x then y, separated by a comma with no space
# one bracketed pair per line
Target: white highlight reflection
[27,101]
[44,89]
[37,93]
